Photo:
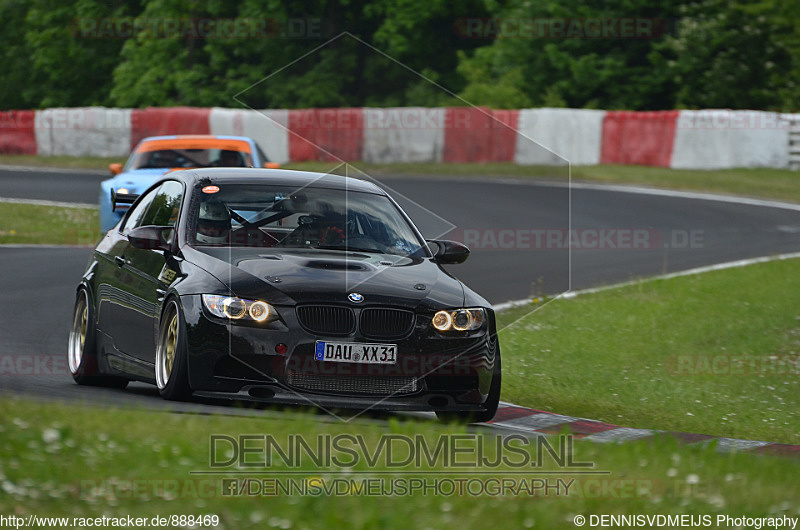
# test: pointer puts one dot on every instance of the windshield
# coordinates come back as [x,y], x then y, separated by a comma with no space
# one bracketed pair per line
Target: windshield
[247,215]
[176,157]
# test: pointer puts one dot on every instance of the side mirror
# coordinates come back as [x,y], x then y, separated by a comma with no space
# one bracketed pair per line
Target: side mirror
[272,165]
[121,198]
[115,169]
[151,237]
[449,252]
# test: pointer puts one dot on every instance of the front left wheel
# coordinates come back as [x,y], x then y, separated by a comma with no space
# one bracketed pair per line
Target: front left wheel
[172,373]
[82,347]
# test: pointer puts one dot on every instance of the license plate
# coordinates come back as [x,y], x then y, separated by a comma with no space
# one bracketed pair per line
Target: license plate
[355,352]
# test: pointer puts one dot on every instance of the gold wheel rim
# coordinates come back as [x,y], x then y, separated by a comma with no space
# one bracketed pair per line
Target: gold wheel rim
[84,321]
[170,342]
[77,337]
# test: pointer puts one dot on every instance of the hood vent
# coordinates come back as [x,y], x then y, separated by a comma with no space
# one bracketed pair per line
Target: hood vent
[336,265]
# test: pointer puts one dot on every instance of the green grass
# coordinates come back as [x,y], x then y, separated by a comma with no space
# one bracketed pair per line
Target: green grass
[760,182]
[36,224]
[80,461]
[682,354]
[61,161]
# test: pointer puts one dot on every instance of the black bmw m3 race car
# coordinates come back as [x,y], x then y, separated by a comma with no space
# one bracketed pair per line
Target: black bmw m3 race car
[284,287]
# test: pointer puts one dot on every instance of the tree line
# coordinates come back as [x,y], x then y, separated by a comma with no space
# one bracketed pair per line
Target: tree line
[627,54]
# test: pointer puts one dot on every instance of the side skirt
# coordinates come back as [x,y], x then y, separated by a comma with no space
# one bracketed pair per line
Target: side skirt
[115,362]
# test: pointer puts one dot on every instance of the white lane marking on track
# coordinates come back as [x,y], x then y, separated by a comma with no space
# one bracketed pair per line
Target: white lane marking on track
[537,421]
[44,169]
[39,202]
[689,272]
[642,190]
[695,195]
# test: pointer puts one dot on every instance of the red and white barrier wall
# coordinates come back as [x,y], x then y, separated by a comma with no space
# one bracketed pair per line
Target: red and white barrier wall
[713,139]
[266,127]
[409,134]
[690,139]
[552,137]
[641,138]
[88,131]
[17,133]
[164,121]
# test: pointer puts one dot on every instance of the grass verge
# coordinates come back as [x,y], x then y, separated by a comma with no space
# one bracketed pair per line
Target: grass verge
[78,461]
[758,182]
[22,223]
[716,353]
[60,161]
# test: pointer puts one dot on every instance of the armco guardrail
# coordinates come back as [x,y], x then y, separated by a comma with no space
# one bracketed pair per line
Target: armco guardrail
[794,140]
[689,139]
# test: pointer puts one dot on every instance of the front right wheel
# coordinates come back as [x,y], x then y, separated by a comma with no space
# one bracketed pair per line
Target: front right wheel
[172,373]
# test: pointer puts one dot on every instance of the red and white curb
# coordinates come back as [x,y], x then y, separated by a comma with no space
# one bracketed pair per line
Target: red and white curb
[531,421]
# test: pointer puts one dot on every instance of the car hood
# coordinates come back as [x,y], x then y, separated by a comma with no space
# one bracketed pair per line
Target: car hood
[293,276]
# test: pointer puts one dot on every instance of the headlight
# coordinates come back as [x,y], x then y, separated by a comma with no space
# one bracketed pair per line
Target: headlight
[238,308]
[459,319]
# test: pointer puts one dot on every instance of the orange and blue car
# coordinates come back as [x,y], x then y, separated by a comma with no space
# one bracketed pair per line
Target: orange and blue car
[157,155]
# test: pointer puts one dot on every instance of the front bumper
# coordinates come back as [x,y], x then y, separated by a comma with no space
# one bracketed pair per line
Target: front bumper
[433,372]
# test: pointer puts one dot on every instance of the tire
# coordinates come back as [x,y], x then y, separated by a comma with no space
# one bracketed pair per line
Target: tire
[171,367]
[490,405]
[82,347]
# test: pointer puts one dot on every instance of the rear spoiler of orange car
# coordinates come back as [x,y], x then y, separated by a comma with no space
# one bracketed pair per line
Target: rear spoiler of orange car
[121,198]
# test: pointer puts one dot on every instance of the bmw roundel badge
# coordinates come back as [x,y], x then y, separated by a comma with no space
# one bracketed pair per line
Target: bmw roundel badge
[355,297]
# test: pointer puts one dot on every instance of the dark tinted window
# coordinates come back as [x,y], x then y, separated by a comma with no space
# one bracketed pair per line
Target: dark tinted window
[306,218]
[164,209]
[135,216]
[187,158]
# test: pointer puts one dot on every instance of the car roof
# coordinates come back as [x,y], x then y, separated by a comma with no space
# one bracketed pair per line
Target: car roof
[233,143]
[197,137]
[283,177]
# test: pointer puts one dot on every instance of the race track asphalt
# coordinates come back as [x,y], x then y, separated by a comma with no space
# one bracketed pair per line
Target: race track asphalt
[677,233]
